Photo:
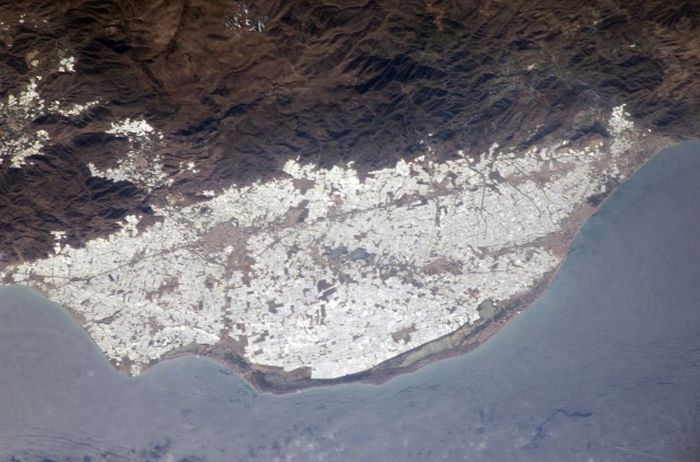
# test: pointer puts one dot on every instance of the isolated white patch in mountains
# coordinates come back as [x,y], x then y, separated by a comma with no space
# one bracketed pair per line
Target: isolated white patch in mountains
[135,130]
[67,64]
[18,149]
[18,140]
[20,110]
[240,19]
[141,165]
[71,110]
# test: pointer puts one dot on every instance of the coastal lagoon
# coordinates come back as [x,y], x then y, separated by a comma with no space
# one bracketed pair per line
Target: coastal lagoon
[604,367]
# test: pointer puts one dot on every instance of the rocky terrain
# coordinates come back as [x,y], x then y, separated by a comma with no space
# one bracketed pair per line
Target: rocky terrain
[361,176]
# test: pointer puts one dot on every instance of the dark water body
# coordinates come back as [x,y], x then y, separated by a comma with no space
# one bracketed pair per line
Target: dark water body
[606,366]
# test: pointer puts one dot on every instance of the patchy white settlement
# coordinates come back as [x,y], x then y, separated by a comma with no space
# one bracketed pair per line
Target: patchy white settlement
[319,268]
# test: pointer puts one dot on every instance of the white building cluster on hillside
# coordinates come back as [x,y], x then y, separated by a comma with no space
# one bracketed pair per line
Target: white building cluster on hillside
[141,165]
[17,139]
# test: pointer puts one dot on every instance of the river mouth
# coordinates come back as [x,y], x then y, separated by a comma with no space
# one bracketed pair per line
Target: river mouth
[603,366]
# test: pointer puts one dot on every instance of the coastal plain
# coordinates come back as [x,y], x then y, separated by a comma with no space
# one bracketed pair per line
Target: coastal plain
[311,193]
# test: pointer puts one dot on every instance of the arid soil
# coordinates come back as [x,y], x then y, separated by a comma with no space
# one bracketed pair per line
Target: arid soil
[239,88]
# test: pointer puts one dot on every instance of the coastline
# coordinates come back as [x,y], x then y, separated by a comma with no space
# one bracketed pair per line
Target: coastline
[273,380]
[466,338]
[461,341]
[616,329]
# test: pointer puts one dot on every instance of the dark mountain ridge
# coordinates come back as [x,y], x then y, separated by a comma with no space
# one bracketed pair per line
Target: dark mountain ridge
[239,88]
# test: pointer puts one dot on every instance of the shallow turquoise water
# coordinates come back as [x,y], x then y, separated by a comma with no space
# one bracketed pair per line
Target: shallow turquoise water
[606,366]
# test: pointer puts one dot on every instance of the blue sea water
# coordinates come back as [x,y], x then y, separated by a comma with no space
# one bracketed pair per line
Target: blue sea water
[604,367]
